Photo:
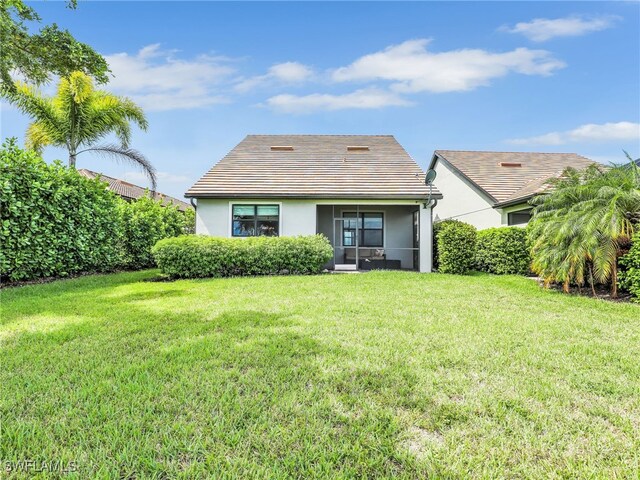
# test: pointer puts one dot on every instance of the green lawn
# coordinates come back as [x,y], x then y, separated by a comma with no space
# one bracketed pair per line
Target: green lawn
[386,374]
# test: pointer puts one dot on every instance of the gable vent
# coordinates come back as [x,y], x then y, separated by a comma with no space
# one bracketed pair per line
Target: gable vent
[281,148]
[358,148]
[510,164]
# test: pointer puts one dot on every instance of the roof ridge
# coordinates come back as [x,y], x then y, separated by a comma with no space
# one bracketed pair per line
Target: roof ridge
[513,151]
[318,135]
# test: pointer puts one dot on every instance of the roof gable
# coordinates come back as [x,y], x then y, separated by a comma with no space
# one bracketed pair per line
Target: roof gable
[510,176]
[314,166]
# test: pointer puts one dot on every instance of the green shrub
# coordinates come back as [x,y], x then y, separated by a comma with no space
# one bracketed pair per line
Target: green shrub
[190,221]
[455,243]
[145,221]
[195,256]
[503,251]
[54,222]
[629,278]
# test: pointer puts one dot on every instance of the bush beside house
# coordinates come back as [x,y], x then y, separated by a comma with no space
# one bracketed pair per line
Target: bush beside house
[455,246]
[197,256]
[55,222]
[146,221]
[503,251]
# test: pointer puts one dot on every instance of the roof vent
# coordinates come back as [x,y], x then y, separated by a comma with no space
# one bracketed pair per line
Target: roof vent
[510,164]
[281,148]
[358,148]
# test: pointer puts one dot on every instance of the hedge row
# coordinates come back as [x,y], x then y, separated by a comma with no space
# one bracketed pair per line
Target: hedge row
[146,221]
[55,222]
[630,274]
[459,248]
[503,251]
[197,256]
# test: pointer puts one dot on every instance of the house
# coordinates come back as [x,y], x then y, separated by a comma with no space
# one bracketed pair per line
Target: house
[492,189]
[363,192]
[129,191]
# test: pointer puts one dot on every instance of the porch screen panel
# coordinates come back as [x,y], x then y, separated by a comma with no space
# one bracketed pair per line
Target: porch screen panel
[372,233]
[370,227]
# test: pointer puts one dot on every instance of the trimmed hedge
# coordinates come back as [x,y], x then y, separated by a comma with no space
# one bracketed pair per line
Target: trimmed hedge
[198,256]
[455,246]
[145,221]
[54,222]
[629,278]
[503,251]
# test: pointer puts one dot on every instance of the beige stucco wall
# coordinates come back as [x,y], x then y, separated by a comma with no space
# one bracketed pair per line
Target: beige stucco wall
[461,201]
[213,216]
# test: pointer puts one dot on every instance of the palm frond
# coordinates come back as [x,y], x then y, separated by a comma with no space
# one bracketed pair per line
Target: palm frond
[128,155]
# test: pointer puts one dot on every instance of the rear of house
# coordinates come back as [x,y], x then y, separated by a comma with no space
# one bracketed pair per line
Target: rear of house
[363,192]
[492,189]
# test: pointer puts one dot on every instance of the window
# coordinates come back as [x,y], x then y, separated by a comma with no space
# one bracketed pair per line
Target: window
[370,228]
[519,218]
[255,221]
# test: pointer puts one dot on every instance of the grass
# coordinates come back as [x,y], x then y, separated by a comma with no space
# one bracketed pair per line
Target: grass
[386,374]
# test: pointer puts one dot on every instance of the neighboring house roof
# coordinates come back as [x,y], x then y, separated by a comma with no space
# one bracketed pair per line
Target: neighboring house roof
[129,191]
[315,166]
[510,177]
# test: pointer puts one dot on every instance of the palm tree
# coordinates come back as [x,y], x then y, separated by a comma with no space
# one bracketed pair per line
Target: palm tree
[79,116]
[585,224]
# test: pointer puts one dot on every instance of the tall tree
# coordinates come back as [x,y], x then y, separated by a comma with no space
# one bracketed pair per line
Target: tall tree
[78,117]
[34,57]
[582,227]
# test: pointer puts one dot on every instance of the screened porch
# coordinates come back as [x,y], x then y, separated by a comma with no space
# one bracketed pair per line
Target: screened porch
[371,237]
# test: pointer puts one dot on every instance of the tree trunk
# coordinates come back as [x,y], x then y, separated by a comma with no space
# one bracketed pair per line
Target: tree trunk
[593,288]
[614,279]
[72,160]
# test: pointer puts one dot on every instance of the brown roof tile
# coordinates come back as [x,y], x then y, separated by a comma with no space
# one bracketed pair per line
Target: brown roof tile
[319,166]
[509,183]
[129,191]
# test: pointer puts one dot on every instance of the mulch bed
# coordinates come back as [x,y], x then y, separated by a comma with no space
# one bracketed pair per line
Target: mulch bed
[603,292]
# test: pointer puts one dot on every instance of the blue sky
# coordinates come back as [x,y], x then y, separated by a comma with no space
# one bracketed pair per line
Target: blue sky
[522,76]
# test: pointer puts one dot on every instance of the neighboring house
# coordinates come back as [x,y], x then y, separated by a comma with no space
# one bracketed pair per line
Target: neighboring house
[363,192]
[129,191]
[492,189]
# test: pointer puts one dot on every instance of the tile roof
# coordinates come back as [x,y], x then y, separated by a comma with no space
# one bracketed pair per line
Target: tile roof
[317,166]
[511,183]
[129,191]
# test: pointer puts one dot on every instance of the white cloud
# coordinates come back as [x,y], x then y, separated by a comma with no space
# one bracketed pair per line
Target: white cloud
[368,98]
[413,68]
[543,29]
[288,73]
[157,80]
[592,132]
